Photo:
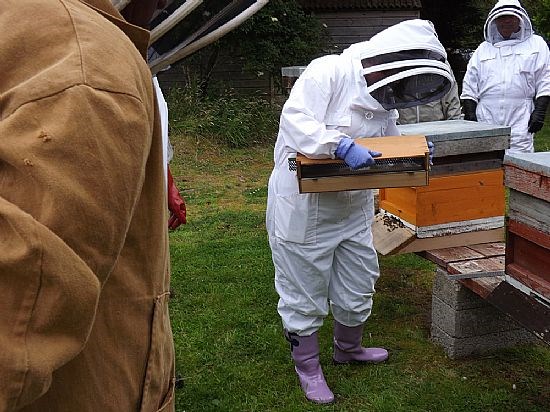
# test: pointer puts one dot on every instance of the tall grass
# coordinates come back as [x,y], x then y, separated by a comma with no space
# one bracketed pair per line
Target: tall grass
[542,138]
[233,121]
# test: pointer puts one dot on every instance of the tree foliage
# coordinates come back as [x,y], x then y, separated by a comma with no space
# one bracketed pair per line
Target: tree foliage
[460,23]
[541,18]
[280,35]
[538,10]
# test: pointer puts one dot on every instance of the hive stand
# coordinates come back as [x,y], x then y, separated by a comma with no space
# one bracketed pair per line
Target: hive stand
[474,310]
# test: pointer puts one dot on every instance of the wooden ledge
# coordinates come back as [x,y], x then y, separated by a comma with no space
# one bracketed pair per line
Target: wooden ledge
[465,264]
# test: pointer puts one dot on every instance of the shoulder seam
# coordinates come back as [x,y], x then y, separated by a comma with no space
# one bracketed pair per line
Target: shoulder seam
[68,88]
[77,38]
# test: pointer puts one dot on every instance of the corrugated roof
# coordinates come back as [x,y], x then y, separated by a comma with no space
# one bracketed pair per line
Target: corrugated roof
[359,4]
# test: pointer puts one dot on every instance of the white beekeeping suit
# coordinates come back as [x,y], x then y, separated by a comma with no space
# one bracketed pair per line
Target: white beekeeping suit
[506,77]
[176,203]
[321,243]
[167,152]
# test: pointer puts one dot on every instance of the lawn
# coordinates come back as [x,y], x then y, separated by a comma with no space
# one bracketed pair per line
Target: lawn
[230,351]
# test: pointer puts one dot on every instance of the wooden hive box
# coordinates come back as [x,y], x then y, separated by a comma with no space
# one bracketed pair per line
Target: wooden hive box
[528,228]
[465,199]
[289,75]
[448,199]
[404,162]
[461,146]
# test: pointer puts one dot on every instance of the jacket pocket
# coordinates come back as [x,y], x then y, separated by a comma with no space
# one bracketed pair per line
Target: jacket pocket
[169,401]
[158,387]
[525,78]
[296,217]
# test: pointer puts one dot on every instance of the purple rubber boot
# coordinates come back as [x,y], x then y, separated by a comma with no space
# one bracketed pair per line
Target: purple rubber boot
[305,353]
[348,349]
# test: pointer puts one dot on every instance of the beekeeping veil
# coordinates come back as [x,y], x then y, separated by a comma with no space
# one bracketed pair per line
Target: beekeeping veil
[503,8]
[404,65]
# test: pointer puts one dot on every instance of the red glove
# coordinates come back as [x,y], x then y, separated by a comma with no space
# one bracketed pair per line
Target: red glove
[176,205]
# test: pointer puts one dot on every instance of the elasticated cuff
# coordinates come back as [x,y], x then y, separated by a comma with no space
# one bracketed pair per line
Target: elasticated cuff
[343,147]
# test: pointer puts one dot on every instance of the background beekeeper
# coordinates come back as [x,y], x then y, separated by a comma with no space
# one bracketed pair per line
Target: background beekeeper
[446,108]
[321,244]
[507,81]
[84,267]
[176,203]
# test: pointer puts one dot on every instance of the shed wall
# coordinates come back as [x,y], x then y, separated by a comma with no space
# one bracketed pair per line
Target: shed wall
[345,28]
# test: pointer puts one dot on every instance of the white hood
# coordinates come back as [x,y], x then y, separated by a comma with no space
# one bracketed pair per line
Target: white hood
[504,7]
[407,35]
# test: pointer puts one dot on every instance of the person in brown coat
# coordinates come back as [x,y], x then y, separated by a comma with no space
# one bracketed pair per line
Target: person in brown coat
[84,265]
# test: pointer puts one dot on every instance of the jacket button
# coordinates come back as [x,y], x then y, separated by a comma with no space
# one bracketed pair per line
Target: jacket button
[369,115]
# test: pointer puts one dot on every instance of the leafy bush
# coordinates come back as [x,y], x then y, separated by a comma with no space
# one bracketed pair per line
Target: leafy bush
[237,121]
[280,35]
[541,18]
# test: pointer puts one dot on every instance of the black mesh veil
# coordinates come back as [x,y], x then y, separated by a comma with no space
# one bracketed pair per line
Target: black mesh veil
[407,78]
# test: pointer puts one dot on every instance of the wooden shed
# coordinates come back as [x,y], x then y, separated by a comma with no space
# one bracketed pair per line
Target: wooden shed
[352,21]
[348,22]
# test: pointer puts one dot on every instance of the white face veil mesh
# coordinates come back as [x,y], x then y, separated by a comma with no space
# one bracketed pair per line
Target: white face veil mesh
[407,78]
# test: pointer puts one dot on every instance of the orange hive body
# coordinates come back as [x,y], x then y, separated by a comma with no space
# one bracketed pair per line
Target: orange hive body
[447,199]
[464,202]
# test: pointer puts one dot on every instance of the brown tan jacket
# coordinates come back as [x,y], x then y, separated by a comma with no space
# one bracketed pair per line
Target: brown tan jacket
[84,270]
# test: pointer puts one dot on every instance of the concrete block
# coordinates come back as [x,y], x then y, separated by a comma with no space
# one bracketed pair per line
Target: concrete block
[470,322]
[453,293]
[465,324]
[456,347]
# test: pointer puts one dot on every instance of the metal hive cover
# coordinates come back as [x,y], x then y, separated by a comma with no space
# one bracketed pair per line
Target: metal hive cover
[538,163]
[444,130]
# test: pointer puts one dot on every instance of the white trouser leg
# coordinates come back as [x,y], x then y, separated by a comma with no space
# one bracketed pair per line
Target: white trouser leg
[307,276]
[352,283]
[302,275]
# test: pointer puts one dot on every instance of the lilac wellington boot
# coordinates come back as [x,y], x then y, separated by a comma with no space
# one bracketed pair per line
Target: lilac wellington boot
[305,353]
[348,349]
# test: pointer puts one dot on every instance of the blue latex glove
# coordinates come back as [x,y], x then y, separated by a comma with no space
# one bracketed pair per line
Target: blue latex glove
[431,149]
[354,155]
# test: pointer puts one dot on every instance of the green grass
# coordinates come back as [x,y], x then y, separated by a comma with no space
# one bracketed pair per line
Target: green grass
[542,138]
[229,347]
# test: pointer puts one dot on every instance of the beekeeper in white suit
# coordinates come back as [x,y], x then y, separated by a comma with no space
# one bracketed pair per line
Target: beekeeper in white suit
[507,81]
[176,203]
[322,244]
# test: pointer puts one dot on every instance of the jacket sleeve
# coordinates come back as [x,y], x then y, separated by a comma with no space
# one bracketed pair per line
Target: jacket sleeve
[303,116]
[392,129]
[542,72]
[470,83]
[451,103]
[71,168]
[48,305]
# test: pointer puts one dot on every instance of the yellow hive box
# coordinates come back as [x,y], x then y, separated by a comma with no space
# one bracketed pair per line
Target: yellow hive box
[453,198]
